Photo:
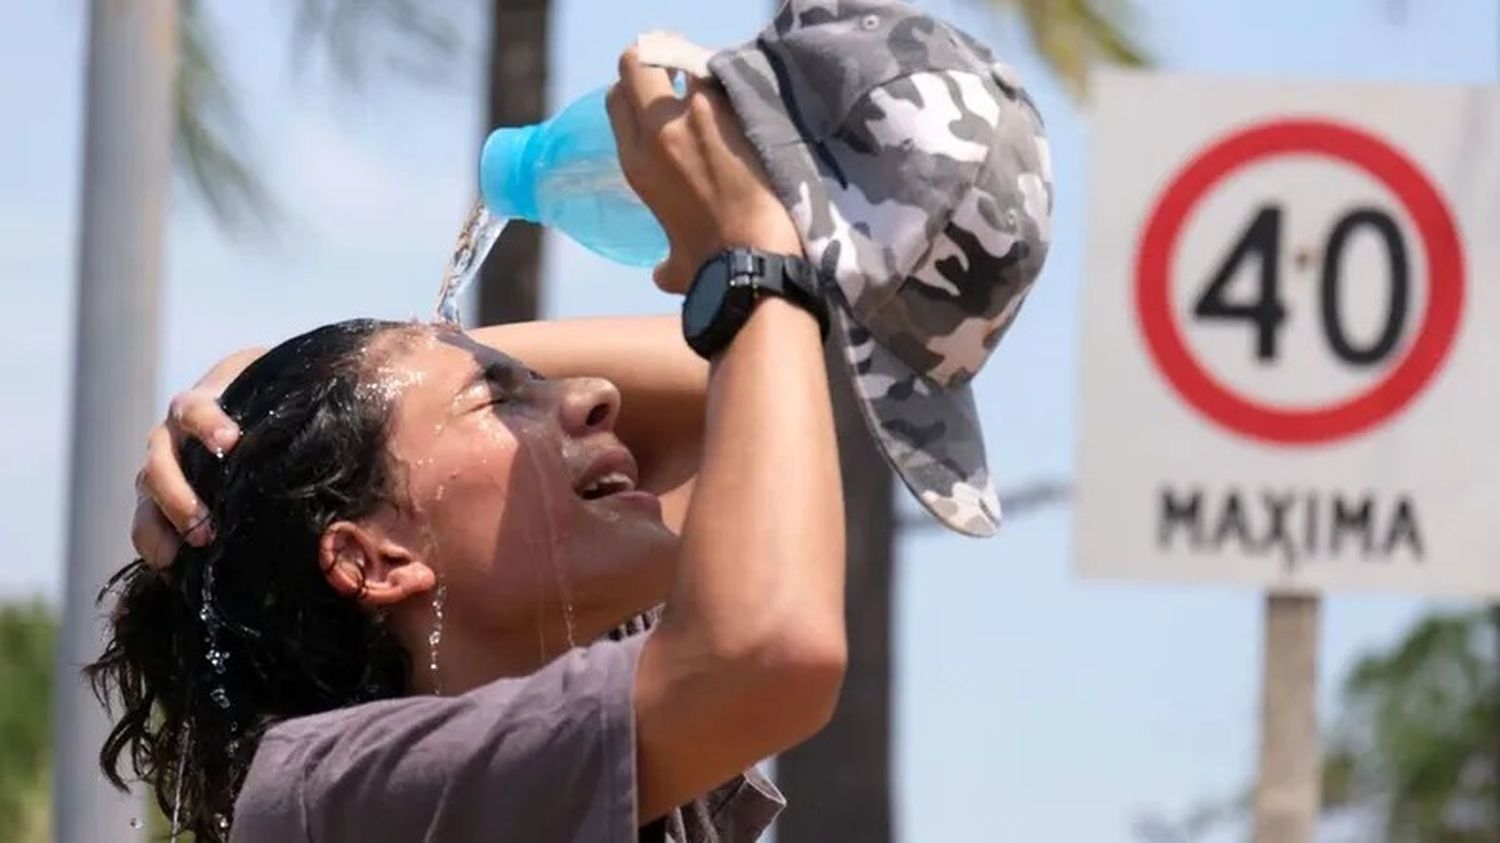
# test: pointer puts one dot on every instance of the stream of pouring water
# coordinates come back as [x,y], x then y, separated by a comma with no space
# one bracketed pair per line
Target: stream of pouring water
[475,239]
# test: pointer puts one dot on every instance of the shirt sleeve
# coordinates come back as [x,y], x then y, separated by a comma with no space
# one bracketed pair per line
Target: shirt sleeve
[550,756]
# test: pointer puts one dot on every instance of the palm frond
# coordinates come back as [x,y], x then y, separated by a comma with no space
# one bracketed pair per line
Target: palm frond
[209,132]
[408,37]
[1073,36]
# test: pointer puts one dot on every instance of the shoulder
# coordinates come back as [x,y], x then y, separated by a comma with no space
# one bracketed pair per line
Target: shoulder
[576,684]
[568,727]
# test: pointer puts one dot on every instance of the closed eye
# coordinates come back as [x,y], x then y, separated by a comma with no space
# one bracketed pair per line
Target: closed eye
[506,382]
[503,381]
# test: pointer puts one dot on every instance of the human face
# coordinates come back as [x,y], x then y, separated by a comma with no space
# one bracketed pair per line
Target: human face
[518,494]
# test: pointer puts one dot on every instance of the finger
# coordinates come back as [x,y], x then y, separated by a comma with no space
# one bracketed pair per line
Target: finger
[714,117]
[706,89]
[622,121]
[163,482]
[671,275]
[649,91]
[197,415]
[153,536]
[219,377]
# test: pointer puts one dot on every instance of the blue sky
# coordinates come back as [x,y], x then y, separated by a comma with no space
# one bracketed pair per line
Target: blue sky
[1031,706]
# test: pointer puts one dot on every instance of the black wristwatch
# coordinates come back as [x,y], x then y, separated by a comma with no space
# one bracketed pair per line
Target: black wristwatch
[729,284]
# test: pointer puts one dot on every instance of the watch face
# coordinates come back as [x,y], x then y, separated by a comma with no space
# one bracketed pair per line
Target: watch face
[705,298]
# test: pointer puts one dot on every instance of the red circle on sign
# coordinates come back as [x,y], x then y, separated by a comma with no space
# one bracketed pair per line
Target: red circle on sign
[1256,419]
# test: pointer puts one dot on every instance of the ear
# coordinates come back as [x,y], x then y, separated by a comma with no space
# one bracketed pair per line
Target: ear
[362,563]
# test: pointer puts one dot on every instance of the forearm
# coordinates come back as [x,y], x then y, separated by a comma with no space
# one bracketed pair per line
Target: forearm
[645,356]
[751,646]
[764,538]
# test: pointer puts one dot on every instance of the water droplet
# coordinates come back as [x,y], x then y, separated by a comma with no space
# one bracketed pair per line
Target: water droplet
[218,659]
[221,821]
[435,637]
[135,822]
[220,697]
[568,619]
[870,21]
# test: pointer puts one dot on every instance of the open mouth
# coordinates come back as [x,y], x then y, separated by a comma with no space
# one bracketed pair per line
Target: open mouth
[611,473]
[610,484]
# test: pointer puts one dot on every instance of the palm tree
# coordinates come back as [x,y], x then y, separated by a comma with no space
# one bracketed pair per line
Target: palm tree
[210,131]
[510,286]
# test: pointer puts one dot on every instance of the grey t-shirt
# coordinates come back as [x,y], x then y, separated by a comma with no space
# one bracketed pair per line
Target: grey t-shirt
[550,756]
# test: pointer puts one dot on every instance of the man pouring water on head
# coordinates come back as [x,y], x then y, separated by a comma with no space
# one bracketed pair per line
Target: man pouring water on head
[573,580]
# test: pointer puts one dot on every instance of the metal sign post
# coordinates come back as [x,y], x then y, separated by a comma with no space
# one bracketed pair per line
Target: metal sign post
[1288,789]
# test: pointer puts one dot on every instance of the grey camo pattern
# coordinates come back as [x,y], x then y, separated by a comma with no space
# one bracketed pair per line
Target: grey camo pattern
[917,170]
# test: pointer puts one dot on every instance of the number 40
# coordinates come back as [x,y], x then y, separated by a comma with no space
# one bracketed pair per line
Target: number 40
[1266,313]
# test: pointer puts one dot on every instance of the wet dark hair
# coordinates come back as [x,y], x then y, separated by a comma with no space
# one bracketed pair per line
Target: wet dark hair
[246,631]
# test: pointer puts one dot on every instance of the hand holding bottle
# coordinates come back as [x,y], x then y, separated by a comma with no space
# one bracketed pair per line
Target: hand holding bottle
[689,160]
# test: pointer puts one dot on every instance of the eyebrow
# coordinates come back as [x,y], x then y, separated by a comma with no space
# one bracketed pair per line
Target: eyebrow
[494,372]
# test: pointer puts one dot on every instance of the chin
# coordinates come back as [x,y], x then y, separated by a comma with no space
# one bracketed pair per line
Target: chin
[628,566]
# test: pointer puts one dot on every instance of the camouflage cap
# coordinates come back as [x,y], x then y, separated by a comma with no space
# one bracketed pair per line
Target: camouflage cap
[916,169]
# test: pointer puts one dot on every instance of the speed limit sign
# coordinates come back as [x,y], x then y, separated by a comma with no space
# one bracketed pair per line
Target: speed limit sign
[1291,334]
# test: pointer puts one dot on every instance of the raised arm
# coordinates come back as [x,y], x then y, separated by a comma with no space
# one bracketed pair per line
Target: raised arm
[750,653]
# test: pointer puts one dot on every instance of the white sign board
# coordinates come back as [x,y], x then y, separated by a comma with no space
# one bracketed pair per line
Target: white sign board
[1291,338]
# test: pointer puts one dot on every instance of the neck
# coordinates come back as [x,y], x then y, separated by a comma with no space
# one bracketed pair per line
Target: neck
[467,661]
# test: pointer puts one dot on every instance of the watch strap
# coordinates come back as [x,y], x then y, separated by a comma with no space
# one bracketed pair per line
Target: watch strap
[747,276]
[791,277]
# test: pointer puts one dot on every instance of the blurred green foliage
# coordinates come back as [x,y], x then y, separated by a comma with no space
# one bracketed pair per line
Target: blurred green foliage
[1414,752]
[1415,746]
[28,635]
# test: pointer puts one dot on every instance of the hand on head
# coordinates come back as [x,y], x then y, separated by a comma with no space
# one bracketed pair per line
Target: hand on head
[168,511]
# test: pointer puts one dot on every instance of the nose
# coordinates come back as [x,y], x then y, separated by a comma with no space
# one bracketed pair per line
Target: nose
[588,405]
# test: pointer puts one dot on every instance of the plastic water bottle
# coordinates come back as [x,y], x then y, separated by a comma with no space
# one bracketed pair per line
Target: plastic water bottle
[565,173]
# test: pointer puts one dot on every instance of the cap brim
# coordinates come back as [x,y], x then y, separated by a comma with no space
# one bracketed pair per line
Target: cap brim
[929,434]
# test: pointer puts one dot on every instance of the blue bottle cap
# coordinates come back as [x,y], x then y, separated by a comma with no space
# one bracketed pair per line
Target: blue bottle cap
[504,180]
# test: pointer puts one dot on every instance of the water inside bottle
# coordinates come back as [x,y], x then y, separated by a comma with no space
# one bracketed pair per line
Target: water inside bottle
[478,235]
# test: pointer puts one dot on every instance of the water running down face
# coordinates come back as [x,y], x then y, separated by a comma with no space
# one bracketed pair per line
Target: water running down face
[516,493]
